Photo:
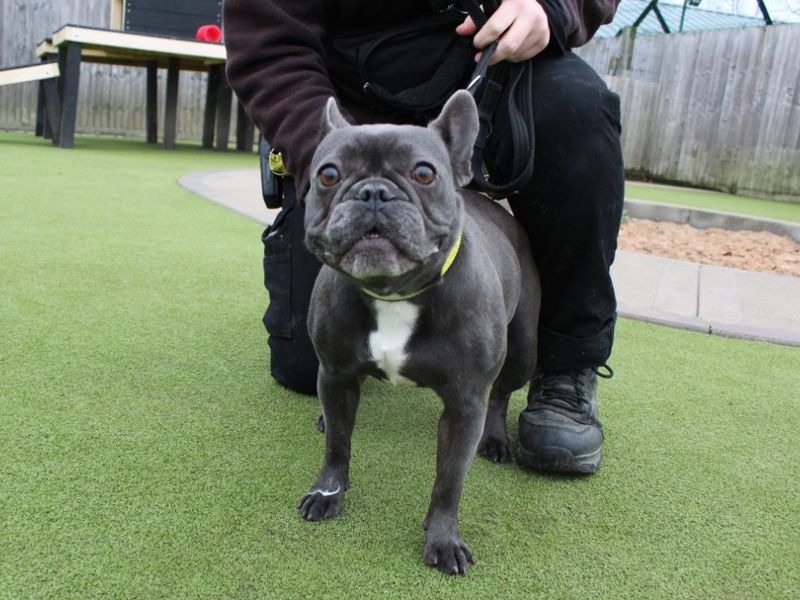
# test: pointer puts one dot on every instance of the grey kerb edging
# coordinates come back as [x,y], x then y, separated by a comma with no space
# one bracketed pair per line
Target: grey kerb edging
[705,219]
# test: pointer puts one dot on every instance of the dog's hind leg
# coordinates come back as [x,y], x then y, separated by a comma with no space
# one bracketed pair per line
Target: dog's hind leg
[494,444]
[517,371]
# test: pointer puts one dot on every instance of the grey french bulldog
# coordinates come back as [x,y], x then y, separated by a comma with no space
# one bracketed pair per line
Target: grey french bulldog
[423,282]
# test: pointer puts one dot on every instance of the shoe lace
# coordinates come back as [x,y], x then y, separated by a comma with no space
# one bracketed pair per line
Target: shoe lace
[607,374]
[563,390]
[566,391]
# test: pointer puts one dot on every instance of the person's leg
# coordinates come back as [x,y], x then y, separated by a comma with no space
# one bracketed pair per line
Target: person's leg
[571,210]
[289,274]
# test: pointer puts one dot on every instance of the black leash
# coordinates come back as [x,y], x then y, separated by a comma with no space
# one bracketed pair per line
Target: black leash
[487,85]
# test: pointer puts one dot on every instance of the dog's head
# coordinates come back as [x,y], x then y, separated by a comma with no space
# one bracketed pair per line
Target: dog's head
[383,205]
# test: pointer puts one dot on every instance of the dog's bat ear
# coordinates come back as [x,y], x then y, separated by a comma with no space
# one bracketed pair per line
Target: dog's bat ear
[332,117]
[457,125]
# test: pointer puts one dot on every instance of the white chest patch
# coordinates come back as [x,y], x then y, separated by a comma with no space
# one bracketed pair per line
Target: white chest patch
[387,344]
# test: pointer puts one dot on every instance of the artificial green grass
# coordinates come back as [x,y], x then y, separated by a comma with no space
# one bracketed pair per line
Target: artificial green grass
[144,452]
[718,201]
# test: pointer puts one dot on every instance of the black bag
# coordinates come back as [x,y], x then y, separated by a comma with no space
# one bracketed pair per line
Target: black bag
[271,184]
[412,69]
[290,270]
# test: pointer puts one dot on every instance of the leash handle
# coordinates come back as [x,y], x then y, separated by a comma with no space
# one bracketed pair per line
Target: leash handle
[479,74]
[479,15]
[519,83]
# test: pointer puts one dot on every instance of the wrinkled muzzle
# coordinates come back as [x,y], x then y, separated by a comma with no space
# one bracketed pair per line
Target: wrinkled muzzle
[374,231]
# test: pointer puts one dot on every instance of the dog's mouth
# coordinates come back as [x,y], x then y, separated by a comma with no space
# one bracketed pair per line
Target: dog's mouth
[370,243]
[372,234]
[372,239]
[375,254]
[376,243]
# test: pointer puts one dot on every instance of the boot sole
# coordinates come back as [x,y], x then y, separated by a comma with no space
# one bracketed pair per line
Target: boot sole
[555,459]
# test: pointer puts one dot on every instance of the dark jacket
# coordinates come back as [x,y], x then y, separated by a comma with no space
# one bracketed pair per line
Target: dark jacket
[277,57]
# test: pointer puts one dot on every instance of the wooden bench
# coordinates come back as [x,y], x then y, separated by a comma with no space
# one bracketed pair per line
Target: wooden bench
[73,44]
[46,74]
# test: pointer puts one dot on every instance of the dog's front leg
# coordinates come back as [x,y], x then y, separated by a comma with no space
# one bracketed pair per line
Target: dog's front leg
[339,396]
[460,428]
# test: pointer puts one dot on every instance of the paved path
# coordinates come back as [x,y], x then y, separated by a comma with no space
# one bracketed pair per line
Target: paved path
[710,299]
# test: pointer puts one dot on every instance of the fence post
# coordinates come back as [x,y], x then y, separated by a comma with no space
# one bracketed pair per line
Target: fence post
[622,63]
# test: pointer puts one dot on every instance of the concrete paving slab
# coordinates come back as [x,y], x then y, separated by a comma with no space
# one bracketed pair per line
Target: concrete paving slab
[761,300]
[237,189]
[703,298]
[654,285]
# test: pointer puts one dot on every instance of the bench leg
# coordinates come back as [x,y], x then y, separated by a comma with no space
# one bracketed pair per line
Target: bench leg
[52,108]
[215,74]
[151,110]
[69,63]
[40,118]
[245,130]
[171,107]
[47,131]
[224,114]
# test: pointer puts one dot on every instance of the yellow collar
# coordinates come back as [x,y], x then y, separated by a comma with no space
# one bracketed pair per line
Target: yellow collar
[451,257]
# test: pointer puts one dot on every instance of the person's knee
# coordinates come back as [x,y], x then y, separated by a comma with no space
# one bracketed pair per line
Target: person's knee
[573,103]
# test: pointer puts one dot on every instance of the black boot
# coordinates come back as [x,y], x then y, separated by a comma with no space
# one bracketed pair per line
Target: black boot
[560,430]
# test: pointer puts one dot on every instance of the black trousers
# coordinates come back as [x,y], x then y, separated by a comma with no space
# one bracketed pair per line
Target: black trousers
[571,210]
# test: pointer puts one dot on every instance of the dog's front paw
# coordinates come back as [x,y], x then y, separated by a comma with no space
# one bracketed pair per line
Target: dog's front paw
[448,553]
[495,449]
[318,504]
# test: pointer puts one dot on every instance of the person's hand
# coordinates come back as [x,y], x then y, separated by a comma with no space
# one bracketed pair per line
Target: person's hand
[520,26]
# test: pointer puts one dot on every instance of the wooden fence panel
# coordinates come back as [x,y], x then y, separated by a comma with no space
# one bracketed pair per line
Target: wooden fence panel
[111,98]
[719,109]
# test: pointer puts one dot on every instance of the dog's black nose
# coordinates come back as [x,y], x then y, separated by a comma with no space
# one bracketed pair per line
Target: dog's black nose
[374,193]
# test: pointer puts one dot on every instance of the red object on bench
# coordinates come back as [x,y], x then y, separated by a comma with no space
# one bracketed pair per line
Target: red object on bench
[208,33]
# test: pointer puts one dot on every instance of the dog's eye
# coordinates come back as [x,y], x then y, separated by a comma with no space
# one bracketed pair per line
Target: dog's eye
[424,174]
[329,176]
